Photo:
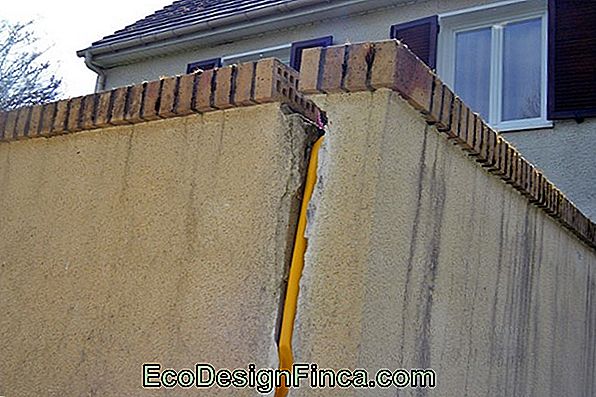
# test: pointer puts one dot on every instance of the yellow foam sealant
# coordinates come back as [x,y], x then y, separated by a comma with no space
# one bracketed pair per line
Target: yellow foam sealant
[286,358]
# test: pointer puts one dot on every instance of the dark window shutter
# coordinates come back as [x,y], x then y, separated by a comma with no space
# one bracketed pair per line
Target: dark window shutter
[299,46]
[572,59]
[421,37]
[203,65]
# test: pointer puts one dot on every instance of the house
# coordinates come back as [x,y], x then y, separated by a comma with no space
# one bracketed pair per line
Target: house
[527,66]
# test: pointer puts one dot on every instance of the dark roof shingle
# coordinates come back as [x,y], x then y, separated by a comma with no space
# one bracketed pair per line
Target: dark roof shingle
[184,13]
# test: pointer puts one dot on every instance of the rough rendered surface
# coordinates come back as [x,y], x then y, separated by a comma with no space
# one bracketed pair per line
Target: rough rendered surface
[418,257]
[160,242]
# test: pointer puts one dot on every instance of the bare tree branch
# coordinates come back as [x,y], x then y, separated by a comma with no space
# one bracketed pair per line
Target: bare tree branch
[24,80]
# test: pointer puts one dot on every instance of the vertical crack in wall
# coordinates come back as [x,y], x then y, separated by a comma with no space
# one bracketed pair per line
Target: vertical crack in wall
[301,136]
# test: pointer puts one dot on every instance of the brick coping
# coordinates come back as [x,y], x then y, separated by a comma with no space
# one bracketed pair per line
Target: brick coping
[343,68]
[246,84]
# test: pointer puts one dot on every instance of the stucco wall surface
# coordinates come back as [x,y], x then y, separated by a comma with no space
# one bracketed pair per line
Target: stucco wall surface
[418,258]
[160,242]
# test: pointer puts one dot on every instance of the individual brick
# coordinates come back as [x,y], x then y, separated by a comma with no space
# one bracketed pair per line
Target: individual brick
[478,135]
[384,65]
[151,99]
[533,184]
[167,102]
[500,156]
[485,142]
[3,116]
[74,113]
[245,83]
[566,211]
[310,69]
[224,89]
[34,121]
[456,117]
[103,109]
[47,119]
[545,193]
[469,134]
[509,162]
[332,74]
[204,95]
[551,198]
[436,101]
[88,112]
[10,125]
[462,130]
[275,82]
[560,203]
[413,79]
[22,121]
[358,67]
[515,171]
[268,80]
[446,115]
[134,103]
[60,117]
[555,204]
[541,191]
[528,173]
[186,88]
[522,180]
[493,146]
[119,99]
[516,174]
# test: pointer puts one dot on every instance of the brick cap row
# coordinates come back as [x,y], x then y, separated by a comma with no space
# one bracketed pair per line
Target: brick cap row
[246,84]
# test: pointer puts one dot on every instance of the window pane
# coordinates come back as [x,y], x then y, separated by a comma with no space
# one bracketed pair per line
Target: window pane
[522,72]
[472,68]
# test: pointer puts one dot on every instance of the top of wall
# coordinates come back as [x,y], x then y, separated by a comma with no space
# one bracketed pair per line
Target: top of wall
[345,68]
[247,84]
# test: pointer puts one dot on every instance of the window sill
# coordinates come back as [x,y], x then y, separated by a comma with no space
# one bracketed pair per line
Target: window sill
[524,125]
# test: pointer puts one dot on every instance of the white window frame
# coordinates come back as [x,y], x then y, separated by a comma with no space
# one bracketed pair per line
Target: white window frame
[281,52]
[496,16]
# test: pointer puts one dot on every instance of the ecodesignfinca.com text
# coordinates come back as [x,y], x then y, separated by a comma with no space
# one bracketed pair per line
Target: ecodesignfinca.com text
[265,380]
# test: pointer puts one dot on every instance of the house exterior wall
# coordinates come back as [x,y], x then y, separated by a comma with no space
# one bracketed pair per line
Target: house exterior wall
[565,152]
[160,242]
[418,258]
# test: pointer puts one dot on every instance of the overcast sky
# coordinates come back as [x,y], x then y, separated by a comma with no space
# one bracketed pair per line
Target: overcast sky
[68,26]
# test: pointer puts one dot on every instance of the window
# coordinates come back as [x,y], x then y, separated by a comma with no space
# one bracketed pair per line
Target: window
[281,52]
[203,65]
[420,36]
[495,59]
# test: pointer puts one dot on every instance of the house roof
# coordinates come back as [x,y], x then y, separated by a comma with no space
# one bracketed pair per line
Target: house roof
[187,12]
